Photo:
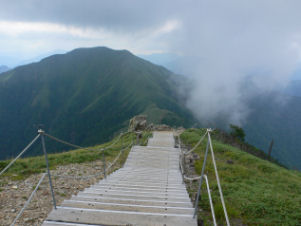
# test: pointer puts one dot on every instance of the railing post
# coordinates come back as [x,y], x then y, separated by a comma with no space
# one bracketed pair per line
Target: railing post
[41,132]
[210,200]
[218,181]
[104,164]
[201,180]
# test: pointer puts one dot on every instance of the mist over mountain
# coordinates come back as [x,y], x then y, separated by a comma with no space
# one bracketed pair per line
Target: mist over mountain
[87,95]
[294,88]
[279,121]
[84,96]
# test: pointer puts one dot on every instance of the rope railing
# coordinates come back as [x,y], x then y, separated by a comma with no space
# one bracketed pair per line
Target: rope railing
[115,142]
[42,134]
[197,144]
[102,150]
[200,178]
[21,153]
[79,147]
[118,156]
[191,178]
[97,174]
[182,155]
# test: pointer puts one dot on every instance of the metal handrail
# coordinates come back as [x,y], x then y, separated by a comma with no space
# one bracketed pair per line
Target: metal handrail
[218,181]
[201,180]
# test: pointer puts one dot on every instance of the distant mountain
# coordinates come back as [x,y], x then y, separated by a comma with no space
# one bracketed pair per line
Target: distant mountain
[281,121]
[84,96]
[3,68]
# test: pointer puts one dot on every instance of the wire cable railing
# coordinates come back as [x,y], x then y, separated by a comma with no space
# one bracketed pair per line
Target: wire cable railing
[204,176]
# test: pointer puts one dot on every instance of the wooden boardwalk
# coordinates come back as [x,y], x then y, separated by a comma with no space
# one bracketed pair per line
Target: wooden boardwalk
[148,190]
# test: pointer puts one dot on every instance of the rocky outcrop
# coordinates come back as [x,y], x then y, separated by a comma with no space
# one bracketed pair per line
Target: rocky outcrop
[138,123]
[162,127]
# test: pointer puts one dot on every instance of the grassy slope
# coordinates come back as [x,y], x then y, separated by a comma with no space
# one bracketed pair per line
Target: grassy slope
[22,168]
[256,191]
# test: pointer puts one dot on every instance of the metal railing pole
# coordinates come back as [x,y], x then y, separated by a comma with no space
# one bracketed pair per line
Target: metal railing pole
[201,180]
[210,200]
[104,164]
[218,181]
[41,132]
[28,200]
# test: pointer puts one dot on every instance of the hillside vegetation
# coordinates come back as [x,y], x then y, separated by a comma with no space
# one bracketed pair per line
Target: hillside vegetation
[84,96]
[256,191]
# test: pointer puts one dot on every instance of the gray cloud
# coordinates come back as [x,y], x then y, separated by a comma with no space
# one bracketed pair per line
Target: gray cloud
[227,43]
[128,15]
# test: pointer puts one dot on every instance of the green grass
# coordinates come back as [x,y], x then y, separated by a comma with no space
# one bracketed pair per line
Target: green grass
[256,191]
[25,167]
[145,137]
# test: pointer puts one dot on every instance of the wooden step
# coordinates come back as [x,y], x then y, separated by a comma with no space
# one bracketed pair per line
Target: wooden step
[148,191]
[127,207]
[112,217]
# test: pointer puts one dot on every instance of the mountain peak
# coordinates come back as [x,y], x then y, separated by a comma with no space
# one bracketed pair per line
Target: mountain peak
[85,96]
[98,49]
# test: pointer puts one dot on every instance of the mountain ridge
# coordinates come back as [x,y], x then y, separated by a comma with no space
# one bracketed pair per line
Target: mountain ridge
[85,96]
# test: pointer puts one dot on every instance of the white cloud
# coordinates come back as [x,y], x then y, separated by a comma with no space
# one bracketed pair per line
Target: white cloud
[33,38]
[230,43]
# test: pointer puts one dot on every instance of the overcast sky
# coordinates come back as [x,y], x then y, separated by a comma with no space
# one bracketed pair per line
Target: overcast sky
[30,28]
[221,43]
